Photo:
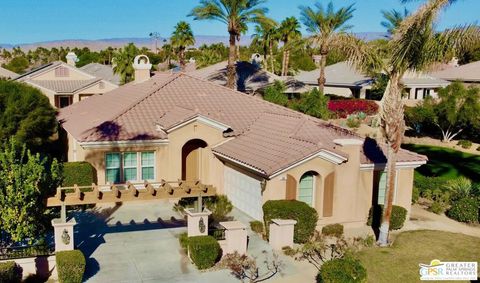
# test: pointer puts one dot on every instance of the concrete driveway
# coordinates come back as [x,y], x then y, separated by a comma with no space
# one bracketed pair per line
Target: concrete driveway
[138,242]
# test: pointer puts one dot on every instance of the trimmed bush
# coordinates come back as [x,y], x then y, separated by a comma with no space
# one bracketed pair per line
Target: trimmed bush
[397,219]
[415,195]
[183,240]
[204,251]
[70,266]
[437,207]
[256,226]
[466,144]
[79,173]
[10,272]
[465,210]
[346,107]
[335,230]
[305,216]
[342,270]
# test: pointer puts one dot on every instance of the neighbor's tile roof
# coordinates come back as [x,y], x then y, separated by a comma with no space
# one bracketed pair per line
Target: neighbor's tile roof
[102,71]
[418,79]
[4,73]
[267,137]
[339,74]
[64,86]
[465,73]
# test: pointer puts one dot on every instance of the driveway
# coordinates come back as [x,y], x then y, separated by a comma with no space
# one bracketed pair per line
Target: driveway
[138,242]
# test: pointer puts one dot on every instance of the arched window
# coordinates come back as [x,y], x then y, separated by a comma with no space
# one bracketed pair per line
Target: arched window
[306,188]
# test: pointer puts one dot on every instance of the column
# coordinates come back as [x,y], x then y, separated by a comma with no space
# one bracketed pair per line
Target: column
[235,237]
[281,233]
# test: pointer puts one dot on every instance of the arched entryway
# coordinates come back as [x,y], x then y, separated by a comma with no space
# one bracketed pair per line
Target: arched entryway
[191,156]
[307,187]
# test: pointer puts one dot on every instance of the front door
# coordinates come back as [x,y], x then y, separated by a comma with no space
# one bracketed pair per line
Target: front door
[191,159]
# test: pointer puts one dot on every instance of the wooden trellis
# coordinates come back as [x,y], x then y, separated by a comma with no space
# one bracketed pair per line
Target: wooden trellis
[78,195]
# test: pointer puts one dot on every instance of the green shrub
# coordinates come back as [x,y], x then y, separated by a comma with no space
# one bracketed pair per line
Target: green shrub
[426,185]
[305,216]
[478,148]
[465,144]
[288,251]
[459,188]
[220,206]
[256,226]
[204,251]
[353,121]
[275,93]
[335,230]
[10,272]
[397,219]
[465,210]
[437,207]
[342,270]
[79,173]
[70,266]
[183,239]
[415,195]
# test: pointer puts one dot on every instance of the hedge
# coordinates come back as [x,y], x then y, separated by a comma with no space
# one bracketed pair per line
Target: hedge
[397,219]
[465,210]
[204,251]
[70,266]
[335,230]
[305,216]
[80,173]
[342,270]
[256,226]
[10,272]
[343,108]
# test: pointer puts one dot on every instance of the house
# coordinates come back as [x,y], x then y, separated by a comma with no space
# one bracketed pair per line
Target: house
[102,71]
[418,86]
[251,78]
[7,74]
[469,73]
[64,84]
[176,126]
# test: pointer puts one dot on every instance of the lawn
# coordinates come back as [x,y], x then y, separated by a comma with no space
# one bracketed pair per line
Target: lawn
[447,162]
[399,263]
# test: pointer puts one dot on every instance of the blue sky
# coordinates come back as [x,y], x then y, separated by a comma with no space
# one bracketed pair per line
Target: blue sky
[24,21]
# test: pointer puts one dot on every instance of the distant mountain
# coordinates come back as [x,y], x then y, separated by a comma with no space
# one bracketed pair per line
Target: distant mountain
[147,42]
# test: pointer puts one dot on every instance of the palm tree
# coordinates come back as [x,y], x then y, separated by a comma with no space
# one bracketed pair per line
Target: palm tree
[266,36]
[236,14]
[181,38]
[393,19]
[123,62]
[328,27]
[415,46]
[288,31]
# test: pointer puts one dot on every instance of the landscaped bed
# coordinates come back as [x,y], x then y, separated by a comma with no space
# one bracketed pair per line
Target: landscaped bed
[400,263]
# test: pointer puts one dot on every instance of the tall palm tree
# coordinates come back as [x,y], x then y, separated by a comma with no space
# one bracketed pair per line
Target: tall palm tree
[236,14]
[393,19]
[123,62]
[266,36]
[288,31]
[415,46]
[181,38]
[328,28]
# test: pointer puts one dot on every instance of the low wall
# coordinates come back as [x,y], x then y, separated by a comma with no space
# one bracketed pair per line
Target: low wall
[42,266]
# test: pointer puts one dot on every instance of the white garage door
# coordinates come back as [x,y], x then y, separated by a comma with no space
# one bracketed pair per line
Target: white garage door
[244,192]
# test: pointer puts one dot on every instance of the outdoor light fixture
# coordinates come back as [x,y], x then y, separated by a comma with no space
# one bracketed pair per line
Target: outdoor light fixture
[263,185]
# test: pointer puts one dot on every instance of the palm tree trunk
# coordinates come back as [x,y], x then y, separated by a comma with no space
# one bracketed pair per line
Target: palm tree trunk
[322,79]
[283,62]
[393,126]
[182,59]
[231,62]
[287,61]
[271,57]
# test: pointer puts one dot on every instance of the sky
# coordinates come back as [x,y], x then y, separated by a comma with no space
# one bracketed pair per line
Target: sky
[27,21]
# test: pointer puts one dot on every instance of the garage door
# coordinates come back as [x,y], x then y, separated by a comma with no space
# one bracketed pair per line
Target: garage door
[244,192]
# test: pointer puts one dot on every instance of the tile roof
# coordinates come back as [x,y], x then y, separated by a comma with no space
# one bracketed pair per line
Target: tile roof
[102,71]
[64,86]
[339,74]
[267,137]
[4,73]
[465,73]
[416,79]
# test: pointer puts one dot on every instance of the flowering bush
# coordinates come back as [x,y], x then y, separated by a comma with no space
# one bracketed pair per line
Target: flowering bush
[343,108]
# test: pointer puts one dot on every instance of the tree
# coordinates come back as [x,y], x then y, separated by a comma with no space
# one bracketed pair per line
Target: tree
[25,114]
[315,104]
[25,180]
[415,46]
[287,32]
[18,65]
[246,268]
[266,36]
[123,62]
[328,28]
[181,38]
[393,19]
[236,14]
[276,94]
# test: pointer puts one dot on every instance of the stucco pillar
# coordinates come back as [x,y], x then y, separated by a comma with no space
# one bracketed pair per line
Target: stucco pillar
[63,233]
[281,233]
[197,222]
[235,237]
[363,93]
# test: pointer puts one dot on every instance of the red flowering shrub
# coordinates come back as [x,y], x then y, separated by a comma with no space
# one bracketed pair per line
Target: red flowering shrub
[343,108]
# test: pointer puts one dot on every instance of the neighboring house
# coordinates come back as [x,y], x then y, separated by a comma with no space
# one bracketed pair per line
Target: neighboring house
[419,85]
[342,80]
[250,78]
[177,126]
[102,71]
[7,74]
[469,74]
[64,84]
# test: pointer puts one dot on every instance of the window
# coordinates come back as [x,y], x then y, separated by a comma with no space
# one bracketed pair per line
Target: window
[61,72]
[124,167]
[305,188]
[62,101]
[112,166]
[382,188]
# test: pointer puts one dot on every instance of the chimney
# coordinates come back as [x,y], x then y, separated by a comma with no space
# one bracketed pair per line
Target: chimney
[71,59]
[142,67]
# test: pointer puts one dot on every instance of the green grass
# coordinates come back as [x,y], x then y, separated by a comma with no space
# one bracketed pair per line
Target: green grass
[448,163]
[399,263]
